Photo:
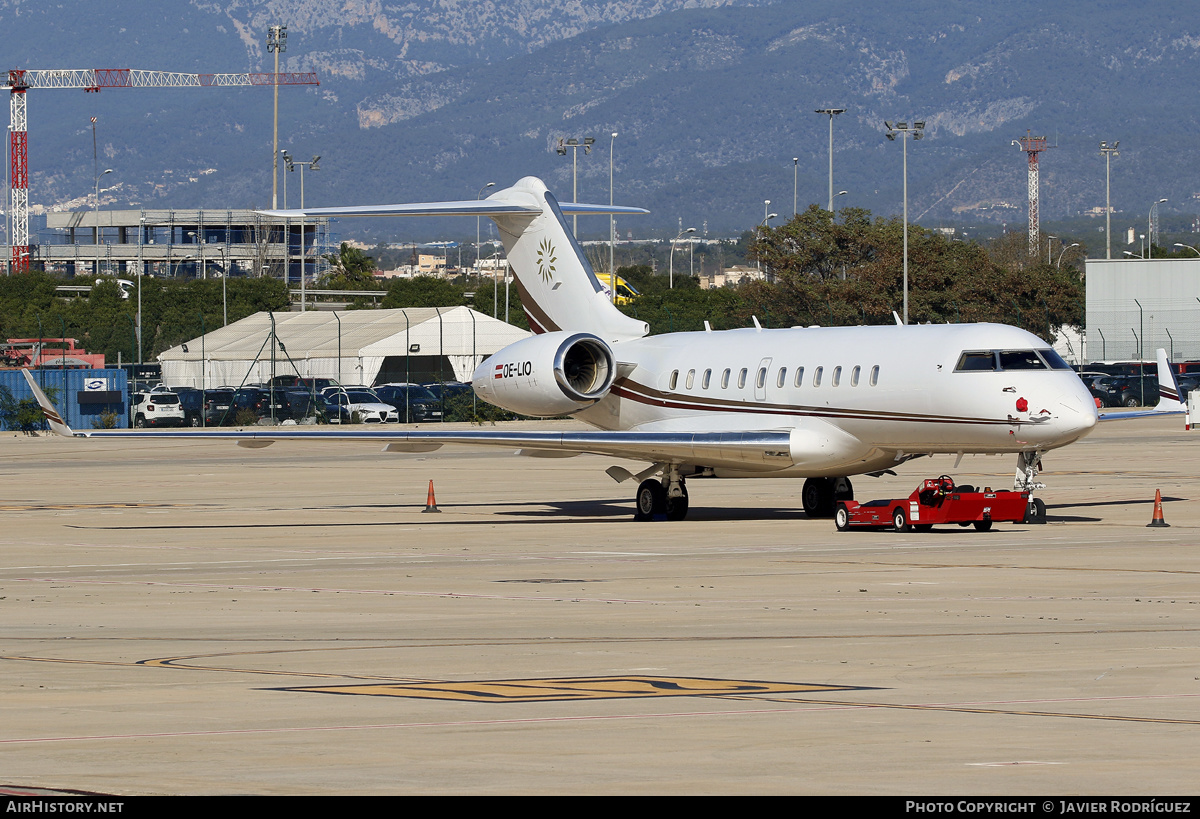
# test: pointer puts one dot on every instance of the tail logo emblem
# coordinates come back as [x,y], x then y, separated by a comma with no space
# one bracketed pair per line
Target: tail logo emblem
[546,259]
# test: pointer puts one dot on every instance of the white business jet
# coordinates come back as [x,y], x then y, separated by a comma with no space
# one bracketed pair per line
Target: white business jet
[819,403]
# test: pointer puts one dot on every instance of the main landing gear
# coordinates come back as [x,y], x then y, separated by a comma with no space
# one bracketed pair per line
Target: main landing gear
[820,496]
[666,498]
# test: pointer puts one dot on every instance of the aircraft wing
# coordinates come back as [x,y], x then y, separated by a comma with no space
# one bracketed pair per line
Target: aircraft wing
[762,449]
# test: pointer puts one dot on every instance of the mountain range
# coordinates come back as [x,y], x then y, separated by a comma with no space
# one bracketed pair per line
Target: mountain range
[712,100]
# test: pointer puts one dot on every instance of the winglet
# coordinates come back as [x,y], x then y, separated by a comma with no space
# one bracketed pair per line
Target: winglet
[57,424]
[1168,387]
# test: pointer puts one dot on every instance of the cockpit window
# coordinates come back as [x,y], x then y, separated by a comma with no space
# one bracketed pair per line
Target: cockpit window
[1021,360]
[1054,360]
[971,362]
[993,360]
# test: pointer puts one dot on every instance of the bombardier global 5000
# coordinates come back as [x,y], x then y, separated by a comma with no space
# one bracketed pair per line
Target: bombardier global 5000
[818,403]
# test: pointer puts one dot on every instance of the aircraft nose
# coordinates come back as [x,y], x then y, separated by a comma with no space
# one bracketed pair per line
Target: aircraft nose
[1078,416]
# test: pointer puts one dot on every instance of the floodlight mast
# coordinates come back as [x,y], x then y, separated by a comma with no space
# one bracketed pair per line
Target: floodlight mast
[574,144]
[916,131]
[832,112]
[1108,151]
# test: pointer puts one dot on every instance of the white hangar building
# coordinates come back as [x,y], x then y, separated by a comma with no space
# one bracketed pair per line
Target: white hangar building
[416,344]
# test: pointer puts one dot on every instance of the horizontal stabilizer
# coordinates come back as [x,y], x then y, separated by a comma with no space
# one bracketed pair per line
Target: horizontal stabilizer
[470,207]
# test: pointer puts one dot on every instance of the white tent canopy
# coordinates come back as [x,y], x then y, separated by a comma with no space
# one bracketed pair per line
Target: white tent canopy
[354,347]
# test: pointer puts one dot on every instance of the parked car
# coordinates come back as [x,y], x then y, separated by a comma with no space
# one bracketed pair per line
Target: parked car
[1128,390]
[218,407]
[194,402]
[413,403]
[1187,383]
[344,404]
[456,398]
[315,384]
[159,407]
[280,404]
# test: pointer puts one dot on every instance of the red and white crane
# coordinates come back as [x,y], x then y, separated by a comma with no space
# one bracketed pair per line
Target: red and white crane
[1033,145]
[92,80]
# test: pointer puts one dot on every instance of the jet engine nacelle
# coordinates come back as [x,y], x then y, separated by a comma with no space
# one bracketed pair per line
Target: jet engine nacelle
[549,374]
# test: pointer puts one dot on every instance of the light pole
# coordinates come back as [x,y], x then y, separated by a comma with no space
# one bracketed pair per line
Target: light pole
[1152,228]
[496,285]
[291,166]
[832,112]
[1109,151]
[141,270]
[178,264]
[917,131]
[1064,250]
[479,196]
[612,223]
[574,144]
[766,218]
[277,43]
[671,279]
[1189,247]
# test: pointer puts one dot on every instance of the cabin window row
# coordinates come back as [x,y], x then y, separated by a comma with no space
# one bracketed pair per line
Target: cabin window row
[782,378]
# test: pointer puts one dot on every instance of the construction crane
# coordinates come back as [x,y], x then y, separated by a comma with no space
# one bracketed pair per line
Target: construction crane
[92,80]
[1033,146]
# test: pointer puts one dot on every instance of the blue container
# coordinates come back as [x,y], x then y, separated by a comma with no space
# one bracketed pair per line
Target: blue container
[82,396]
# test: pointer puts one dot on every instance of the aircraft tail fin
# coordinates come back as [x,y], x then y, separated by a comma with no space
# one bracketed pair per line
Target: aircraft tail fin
[57,424]
[1169,397]
[558,288]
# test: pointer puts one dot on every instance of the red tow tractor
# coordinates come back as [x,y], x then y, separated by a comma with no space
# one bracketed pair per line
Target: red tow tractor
[939,501]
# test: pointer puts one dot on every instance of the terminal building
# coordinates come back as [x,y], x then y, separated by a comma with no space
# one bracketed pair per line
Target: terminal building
[182,244]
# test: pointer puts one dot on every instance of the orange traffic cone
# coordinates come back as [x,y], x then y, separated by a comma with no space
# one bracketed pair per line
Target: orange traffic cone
[1158,515]
[431,502]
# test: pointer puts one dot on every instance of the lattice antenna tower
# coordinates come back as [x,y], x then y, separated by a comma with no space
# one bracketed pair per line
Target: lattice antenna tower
[1033,146]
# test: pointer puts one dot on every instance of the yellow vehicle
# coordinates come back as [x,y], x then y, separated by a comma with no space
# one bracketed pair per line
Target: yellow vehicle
[625,291]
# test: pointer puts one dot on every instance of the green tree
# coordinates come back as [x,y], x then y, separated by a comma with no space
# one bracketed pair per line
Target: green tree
[423,291]
[849,270]
[350,269]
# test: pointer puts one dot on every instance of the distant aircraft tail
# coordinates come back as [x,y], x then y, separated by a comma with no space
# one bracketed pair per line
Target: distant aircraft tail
[1169,396]
[57,424]
[558,288]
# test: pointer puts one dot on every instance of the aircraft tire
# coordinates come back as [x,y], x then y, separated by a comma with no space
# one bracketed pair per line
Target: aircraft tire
[1035,512]
[651,500]
[900,520]
[841,518]
[820,495]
